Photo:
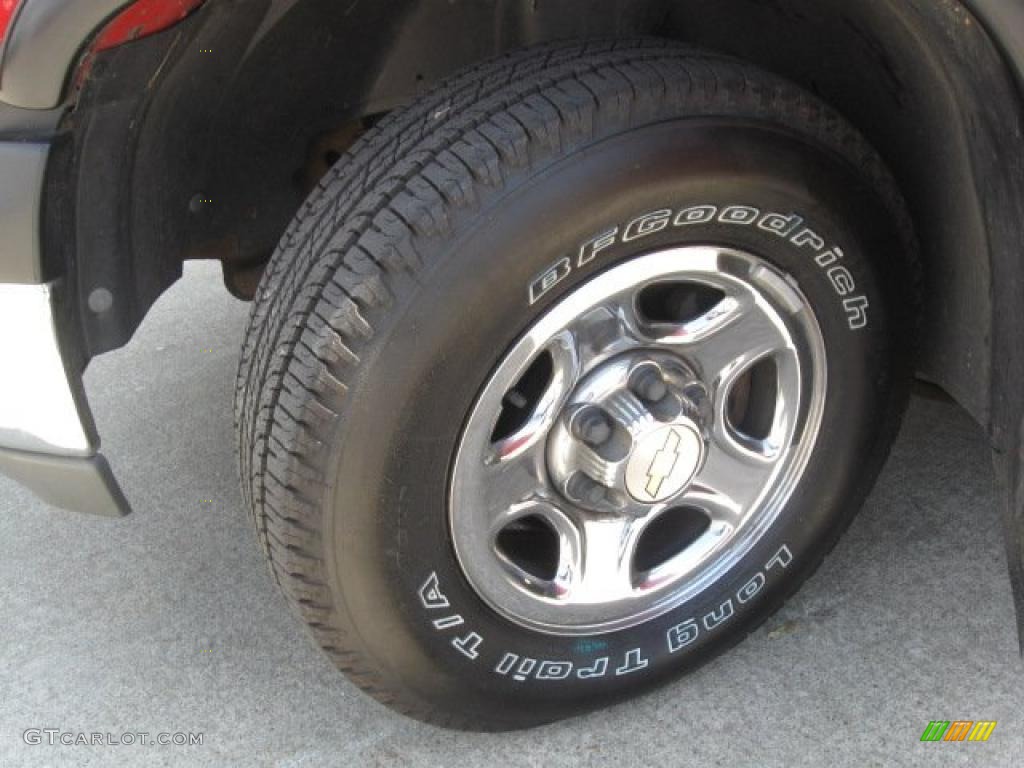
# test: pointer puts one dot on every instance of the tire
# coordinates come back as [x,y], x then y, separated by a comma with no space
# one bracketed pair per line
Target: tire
[453,226]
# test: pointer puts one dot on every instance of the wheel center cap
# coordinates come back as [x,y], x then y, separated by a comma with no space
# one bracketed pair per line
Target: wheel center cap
[629,437]
[663,462]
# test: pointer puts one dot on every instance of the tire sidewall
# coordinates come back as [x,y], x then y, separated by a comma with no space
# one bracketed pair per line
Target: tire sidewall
[394,569]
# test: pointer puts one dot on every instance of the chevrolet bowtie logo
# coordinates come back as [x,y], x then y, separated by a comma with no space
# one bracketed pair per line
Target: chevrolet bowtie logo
[663,464]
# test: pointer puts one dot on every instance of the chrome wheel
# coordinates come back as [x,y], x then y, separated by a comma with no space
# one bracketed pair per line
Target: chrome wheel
[637,441]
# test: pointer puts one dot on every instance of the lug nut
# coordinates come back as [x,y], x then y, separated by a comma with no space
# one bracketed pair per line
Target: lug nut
[592,427]
[586,490]
[649,386]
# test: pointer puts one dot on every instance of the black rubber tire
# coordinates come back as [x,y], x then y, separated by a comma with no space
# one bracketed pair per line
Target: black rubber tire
[407,274]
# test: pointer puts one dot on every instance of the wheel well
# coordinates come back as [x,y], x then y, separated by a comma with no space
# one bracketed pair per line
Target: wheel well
[230,117]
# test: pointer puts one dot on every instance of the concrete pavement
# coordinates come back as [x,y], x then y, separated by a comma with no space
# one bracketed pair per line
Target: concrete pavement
[167,620]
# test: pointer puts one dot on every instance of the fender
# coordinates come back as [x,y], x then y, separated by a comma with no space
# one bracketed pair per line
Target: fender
[1005,23]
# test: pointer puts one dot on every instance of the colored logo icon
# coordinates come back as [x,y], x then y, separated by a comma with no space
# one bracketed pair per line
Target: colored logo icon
[958,730]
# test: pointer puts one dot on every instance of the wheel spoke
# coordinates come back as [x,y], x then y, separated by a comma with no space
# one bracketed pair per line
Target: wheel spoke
[602,333]
[512,482]
[565,371]
[722,509]
[728,485]
[743,335]
[604,567]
